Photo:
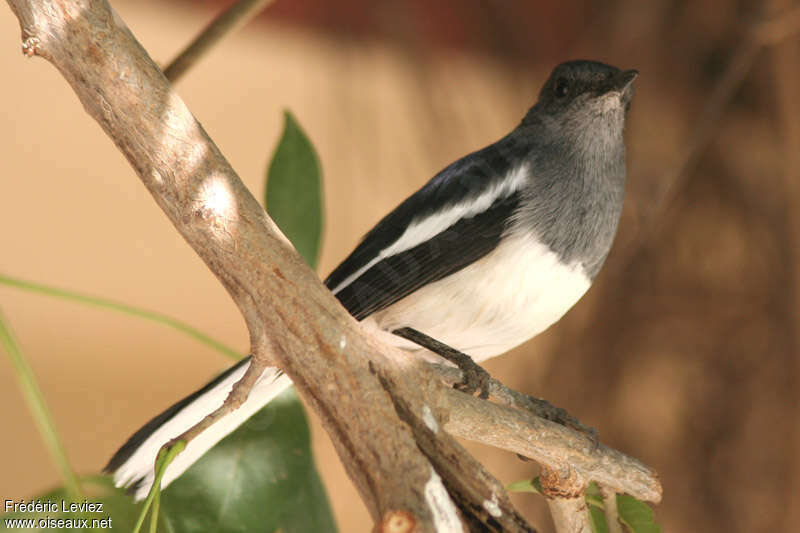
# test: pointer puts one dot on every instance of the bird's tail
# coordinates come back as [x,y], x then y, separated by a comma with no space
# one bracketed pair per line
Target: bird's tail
[133,464]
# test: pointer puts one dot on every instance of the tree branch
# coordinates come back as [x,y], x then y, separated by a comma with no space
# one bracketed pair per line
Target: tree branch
[519,428]
[611,510]
[226,22]
[384,413]
[550,444]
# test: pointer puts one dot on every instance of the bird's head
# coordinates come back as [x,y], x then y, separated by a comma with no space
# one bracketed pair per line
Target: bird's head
[581,90]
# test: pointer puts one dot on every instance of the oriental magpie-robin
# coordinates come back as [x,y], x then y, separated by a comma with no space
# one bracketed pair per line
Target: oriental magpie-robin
[489,253]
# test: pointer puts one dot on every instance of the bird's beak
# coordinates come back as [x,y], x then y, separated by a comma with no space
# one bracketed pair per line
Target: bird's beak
[623,83]
[624,80]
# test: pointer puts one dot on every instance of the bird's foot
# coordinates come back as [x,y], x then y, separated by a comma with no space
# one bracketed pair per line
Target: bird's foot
[474,379]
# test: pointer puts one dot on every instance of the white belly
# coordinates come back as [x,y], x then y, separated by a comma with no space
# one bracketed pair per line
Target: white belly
[510,295]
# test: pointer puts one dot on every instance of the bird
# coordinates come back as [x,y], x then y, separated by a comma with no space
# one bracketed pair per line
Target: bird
[489,253]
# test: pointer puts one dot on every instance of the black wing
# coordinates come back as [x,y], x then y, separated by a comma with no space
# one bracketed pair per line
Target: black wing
[399,275]
[464,242]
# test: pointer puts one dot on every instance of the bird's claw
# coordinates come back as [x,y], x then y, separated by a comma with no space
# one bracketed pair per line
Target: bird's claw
[474,379]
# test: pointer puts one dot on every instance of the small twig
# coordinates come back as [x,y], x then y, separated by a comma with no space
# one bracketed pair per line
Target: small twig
[229,20]
[566,500]
[610,506]
[236,397]
[569,515]
[549,444]
[522,417]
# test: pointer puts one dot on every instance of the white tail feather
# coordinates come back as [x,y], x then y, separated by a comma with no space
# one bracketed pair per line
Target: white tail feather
[138,468]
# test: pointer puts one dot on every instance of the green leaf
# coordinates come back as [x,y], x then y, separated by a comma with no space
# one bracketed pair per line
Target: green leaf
[526,485]
[636,515]
[259,478]
[594,495]
[294,191]
[596,509]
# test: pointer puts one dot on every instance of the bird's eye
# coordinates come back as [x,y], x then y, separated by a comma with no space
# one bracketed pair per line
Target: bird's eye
[562,87]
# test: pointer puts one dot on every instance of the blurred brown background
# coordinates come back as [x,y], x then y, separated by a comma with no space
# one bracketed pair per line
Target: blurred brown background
[684,353]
